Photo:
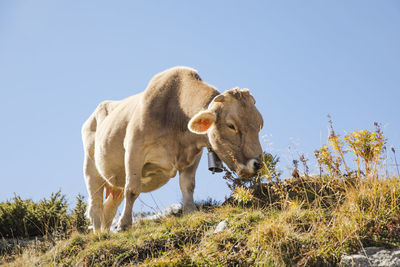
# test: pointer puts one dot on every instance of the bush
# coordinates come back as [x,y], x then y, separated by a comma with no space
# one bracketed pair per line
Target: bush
[25,218]
[14,216]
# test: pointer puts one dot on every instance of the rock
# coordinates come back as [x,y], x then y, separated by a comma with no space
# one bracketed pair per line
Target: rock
[222,226]
[173,209]
[373,256]
[355,260]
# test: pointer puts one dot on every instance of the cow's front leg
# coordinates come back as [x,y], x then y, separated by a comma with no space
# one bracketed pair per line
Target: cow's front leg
[187,184]
[132,190]
[125,222]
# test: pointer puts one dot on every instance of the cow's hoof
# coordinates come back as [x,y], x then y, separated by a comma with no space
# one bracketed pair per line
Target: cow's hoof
[123,227]
[189,208]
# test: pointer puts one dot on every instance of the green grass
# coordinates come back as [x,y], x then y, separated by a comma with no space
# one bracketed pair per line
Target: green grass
[293,229]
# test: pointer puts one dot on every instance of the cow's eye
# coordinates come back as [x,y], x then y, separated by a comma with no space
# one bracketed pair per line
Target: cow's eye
[231,126]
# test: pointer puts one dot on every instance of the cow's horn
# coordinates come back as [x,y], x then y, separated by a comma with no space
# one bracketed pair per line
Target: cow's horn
[247,92]
[254,100]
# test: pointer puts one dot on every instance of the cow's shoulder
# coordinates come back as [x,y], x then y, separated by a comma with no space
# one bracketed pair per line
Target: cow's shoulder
[178,70]
[161,103]
[170,81]
[173,96]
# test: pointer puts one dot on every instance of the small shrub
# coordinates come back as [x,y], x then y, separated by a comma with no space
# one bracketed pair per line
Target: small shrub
[242,194]
[79,219]
[13,217]
[51,215]
[365,147]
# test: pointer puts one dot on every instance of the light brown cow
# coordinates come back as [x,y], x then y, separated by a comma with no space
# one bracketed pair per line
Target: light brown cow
[137,144]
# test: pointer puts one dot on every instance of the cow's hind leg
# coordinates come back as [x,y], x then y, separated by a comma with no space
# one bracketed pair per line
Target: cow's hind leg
[133,171]
[95,186]
[114,197]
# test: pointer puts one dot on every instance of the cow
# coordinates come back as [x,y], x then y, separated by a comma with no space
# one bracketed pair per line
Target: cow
[139,143]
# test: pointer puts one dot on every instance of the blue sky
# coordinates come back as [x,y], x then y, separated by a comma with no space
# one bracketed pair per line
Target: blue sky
[301,60]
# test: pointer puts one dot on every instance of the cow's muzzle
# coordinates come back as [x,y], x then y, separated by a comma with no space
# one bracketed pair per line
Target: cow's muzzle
[257,164]
[251,168]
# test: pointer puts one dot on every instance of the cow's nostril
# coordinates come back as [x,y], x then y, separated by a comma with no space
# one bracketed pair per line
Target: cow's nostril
[257,165]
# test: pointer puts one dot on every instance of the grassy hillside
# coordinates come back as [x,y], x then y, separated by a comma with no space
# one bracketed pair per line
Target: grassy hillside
[291,231]
[306,220]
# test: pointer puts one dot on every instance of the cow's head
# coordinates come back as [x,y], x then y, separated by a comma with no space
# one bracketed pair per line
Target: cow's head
[232,123]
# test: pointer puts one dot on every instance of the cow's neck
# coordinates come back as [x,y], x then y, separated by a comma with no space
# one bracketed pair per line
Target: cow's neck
[200,100]
[193,100]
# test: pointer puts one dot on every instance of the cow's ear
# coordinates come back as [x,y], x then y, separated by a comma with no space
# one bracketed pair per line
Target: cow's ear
[202,122]
[219,98]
